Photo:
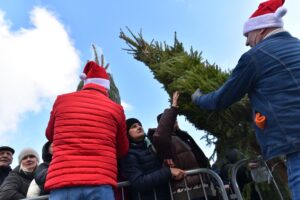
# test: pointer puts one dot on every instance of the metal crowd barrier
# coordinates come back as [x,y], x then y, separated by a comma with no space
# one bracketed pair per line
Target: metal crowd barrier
[212,174]
[260,174]
[221,189]
[44,197]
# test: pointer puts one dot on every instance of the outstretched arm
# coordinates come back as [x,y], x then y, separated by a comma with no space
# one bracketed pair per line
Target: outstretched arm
[163,134]
[238,84]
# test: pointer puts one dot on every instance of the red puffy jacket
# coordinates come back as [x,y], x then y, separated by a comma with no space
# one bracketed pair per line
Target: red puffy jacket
[88,131]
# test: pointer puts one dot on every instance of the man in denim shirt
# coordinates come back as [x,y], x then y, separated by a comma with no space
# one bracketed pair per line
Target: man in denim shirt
[270,74]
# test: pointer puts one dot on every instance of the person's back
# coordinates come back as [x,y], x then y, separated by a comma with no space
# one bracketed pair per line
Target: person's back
[88,132]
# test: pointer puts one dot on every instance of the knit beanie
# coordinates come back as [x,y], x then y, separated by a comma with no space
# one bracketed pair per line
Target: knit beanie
[26,152]
[158,117]
[130,122]
[268,15]
[46,156]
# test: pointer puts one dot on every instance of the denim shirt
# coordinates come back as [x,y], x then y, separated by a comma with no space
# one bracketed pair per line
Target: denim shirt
[270,74]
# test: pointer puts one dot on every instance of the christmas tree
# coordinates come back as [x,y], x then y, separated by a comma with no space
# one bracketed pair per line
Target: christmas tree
[185,71]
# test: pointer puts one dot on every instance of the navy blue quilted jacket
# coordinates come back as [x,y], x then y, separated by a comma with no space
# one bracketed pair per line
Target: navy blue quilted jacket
[145,173]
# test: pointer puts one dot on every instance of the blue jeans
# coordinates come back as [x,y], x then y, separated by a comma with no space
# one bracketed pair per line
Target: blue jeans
[293,171]
[103,192]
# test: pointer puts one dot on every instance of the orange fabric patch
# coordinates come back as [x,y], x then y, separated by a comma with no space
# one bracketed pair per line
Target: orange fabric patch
[260,120]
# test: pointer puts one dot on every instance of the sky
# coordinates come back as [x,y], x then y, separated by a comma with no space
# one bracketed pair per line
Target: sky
[44,46]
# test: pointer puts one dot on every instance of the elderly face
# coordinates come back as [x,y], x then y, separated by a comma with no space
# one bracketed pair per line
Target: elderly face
[29,163]
[254,37]
[6,158]
[136,132]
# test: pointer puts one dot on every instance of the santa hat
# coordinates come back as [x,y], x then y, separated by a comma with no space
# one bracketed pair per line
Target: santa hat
[93,73]
[267,15]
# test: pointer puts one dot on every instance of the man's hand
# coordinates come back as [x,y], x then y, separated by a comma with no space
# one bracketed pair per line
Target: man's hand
[253,165]
[175,99]
[195,95]
[169,163]
[177,174]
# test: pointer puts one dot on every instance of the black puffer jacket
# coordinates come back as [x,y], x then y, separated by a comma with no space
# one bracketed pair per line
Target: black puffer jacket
[4,171]
[15,185]
[41,171]
[145,173]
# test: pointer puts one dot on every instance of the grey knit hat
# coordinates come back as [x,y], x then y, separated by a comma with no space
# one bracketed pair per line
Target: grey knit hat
[28,151]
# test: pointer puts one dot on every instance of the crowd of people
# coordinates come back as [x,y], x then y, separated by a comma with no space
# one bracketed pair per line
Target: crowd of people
[91,144]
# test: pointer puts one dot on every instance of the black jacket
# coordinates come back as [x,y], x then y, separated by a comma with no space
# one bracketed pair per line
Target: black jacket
[42,170]
[4,171]
[145,173]
[15,185]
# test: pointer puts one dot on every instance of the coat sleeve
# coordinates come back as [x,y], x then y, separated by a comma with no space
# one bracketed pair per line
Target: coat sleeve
[162,135]
[122,140]
[140,181]
[10,188]
[240,82]
[50,127]
[41,174]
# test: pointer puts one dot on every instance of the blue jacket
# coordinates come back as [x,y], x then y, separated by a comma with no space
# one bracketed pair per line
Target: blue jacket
[270,74]
[145,172]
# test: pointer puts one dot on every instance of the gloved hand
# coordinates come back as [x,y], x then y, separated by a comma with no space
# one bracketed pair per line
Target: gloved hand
[195,95]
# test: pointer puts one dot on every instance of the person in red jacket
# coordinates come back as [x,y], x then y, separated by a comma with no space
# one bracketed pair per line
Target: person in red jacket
[88,131]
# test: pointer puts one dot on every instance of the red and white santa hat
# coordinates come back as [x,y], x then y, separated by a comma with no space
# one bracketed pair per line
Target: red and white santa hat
[268,14]
[93,73]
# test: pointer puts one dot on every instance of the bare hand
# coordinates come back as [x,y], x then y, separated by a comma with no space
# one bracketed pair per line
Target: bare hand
[177,174]
[175,99]
[252,165]
[169,163]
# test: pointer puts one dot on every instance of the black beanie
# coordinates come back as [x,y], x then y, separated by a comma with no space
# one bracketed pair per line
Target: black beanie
[158,117]
[47,157]
[234,155]
[130,122]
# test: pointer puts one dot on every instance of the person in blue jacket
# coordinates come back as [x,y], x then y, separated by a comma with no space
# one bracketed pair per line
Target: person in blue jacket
[270,74]
[144,170]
